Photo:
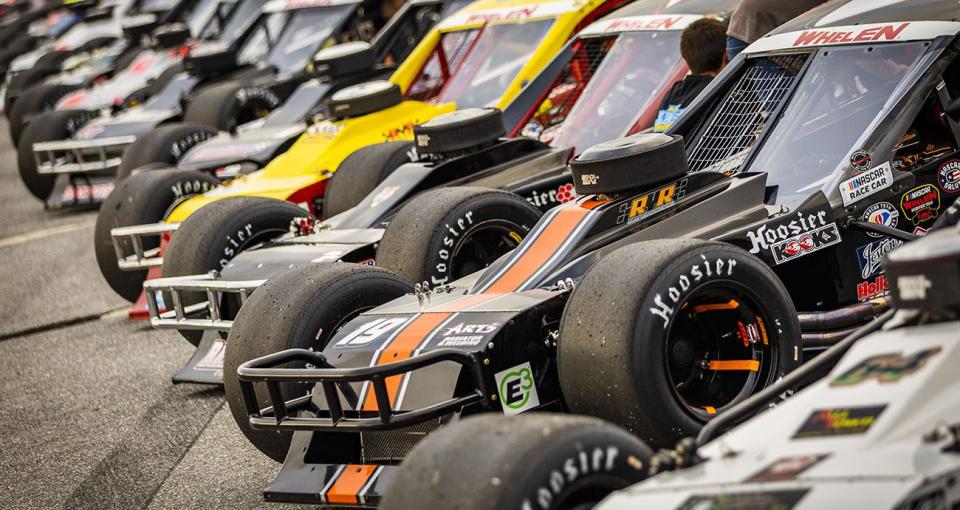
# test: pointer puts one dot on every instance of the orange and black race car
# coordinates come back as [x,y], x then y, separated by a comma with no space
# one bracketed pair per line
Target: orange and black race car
[666,294]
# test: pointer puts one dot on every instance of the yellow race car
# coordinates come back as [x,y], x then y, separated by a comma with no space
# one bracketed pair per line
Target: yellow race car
[482,55]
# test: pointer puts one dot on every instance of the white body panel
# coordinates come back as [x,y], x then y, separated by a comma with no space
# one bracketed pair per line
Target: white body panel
[892,462]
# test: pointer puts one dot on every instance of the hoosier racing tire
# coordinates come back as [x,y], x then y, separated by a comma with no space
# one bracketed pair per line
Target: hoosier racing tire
[444,234]
[659,336]
[55,125]
[360,173]
[166,145]
[229,105]
[299,308]
[217,232]
[32,100]
[537,461]
[142,199]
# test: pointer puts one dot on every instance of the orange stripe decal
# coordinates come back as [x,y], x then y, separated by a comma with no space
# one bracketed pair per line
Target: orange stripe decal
[400,349]
[710,409]
[345,490]
[406,342]
[549,241]
[730,305]
[735,364]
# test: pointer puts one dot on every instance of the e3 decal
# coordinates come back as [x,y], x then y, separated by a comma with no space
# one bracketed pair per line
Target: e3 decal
[517,389]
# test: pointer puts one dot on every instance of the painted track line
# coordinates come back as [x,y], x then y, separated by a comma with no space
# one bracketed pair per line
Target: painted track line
[42,233]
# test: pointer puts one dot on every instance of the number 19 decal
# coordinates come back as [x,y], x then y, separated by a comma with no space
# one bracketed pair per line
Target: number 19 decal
[370,331]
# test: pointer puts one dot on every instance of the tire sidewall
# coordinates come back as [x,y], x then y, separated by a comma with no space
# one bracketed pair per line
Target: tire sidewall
[572,462]
[441,257]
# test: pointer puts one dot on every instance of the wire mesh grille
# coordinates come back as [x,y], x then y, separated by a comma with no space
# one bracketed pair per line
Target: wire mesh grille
[391,446]
[443,63]
[745,112]
[566,89]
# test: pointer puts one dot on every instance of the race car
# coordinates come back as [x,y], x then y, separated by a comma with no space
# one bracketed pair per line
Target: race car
[482,55]
[589,91]
[55,26]
[876,429]
[38,79]
[224,88]
[98,28]
[154,73]
[665,295]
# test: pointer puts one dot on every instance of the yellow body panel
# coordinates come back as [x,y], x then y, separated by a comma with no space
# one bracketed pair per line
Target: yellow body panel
[318,153]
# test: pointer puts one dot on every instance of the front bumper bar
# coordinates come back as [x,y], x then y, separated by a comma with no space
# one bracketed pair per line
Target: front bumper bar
[204,315]
[80,156]
[132,238]
[286,414]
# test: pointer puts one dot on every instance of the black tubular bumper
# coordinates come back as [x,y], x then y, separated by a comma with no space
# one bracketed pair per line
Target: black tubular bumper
[285,414]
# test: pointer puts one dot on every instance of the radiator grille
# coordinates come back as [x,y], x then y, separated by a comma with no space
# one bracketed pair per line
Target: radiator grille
[391,446]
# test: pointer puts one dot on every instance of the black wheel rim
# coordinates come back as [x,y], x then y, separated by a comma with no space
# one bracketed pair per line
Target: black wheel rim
[482,244]
[720,349]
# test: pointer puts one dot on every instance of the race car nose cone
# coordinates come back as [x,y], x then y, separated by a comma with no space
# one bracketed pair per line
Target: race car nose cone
[364,98]
[630,163]
[344,59]
[458,130]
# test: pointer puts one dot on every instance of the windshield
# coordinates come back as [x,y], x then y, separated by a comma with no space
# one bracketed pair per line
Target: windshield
[292,43]
[498,54]
[154,6]
[638,67]
[200,15]
[836,100]
[231,19]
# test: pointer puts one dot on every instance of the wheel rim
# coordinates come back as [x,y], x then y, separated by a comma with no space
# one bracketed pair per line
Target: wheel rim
[720,349]
[482,244]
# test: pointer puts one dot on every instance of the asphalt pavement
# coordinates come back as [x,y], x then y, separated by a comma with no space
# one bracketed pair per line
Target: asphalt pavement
[88,415]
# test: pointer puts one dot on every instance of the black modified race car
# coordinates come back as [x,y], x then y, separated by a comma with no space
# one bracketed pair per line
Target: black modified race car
[665,295]
[460,148]
[872,405]
[223,88]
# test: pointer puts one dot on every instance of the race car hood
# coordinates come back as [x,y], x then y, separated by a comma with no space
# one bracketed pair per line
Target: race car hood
[148,64]
[135,121]
[258,145]
[323,247]
[316,155]
[413,325]
[875,416]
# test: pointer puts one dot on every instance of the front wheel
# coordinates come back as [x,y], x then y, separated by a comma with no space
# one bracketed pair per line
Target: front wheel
[300,308]
[142,199]
[445,234]
[165,145]
[55,125]
[537,461]
[660,336]
[217,232]
[229,105]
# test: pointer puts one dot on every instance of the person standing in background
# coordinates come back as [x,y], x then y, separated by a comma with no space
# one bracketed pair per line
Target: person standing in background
[703,48]
[752,19]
